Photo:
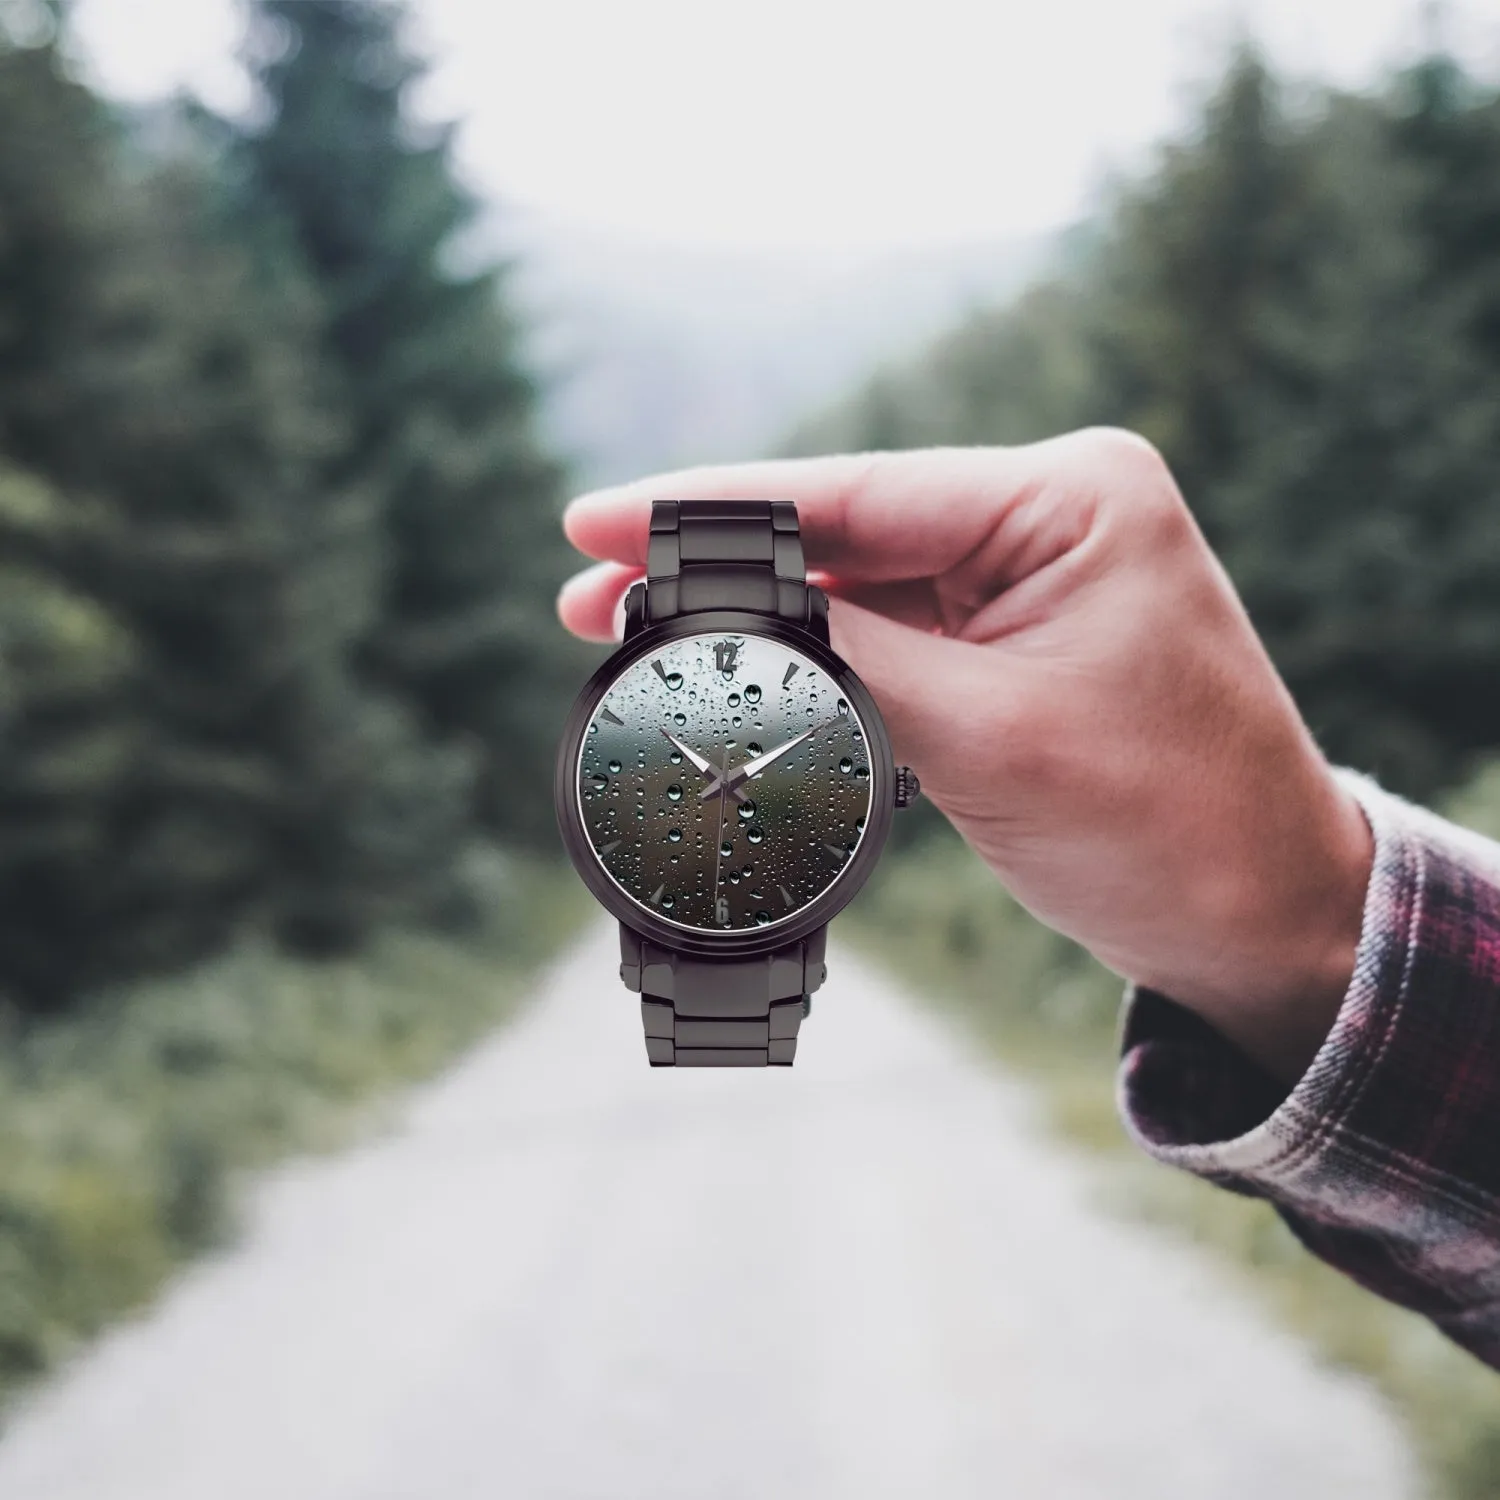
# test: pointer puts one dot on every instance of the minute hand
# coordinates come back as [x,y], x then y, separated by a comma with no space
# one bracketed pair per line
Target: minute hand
[753,767]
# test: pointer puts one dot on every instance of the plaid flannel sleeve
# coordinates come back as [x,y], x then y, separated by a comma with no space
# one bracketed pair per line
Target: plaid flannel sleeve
[1385,1157]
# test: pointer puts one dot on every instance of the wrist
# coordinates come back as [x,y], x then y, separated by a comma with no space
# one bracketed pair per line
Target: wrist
[1288,945]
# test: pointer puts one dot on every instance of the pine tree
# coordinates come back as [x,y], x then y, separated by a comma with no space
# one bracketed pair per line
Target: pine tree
[441,415]
[1205,279]
[66,753]
[163,398]
[1334,420]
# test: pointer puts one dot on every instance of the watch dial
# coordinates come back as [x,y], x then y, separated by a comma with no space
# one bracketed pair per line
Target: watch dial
[724,782]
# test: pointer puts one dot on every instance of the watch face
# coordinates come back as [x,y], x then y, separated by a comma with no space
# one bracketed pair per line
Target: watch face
[724,783]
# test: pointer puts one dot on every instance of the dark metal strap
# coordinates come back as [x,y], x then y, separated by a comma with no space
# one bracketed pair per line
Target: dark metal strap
[709,555]
[722,1013]
[725,554]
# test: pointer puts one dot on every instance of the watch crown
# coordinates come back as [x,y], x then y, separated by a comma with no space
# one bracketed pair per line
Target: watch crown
[908,788]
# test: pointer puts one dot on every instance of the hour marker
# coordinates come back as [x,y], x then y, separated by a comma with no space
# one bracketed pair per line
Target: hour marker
[610,716]
[836,851]
[606,848]
[660,670]
[791,672]
[786,895]
[657,893]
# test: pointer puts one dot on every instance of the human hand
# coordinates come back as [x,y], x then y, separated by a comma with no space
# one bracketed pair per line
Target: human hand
[1066,666]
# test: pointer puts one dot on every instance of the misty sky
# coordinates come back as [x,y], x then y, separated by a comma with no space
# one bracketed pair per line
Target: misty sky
[822,126]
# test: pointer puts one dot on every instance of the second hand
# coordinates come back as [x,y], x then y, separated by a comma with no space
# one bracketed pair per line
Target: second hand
[719,842]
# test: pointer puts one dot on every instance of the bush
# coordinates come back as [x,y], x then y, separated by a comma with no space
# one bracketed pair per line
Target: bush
[123,1126]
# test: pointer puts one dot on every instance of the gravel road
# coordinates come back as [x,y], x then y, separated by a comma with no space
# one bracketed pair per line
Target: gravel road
[567,1277]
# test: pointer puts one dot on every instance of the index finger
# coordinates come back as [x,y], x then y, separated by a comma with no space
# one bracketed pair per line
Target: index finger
[873,517]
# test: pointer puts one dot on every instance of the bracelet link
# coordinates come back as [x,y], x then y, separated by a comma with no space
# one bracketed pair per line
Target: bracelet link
[700,1012]
[706,555]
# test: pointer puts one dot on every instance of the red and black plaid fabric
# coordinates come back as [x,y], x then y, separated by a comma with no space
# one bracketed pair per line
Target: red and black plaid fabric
[1385,1157]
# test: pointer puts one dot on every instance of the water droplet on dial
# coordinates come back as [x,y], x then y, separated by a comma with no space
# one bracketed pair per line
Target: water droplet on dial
[747,811]
[734,700]
[679,720]
[846,765]
[763,919]
[754,835]
[862,773]
[674,793]
[674,680]
[675,757]
[614,768]
[674,835]
[726,850]
[600,781]
[752,694]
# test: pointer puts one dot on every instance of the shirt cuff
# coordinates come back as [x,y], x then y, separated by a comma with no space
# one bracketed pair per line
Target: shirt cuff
[1193,1100]
[1381,1156]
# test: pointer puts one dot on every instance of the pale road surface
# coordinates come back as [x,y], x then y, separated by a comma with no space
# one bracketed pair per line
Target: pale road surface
[566,1276]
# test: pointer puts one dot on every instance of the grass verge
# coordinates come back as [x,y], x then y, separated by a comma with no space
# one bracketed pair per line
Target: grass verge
[124,1126]
[938,917]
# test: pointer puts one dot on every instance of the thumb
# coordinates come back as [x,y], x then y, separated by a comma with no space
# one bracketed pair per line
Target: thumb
[924,684]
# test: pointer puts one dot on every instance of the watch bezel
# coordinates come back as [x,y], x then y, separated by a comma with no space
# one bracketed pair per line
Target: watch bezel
[705,942]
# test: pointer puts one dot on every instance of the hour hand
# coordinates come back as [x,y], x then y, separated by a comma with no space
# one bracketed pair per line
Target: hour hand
[706,767]
[698,761]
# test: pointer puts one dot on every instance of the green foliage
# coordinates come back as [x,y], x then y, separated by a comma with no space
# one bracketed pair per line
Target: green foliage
[124,1125]
[278,642]
[1300,306]
[236,773]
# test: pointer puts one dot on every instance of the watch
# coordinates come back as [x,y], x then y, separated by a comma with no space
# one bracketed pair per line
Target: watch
[725,785]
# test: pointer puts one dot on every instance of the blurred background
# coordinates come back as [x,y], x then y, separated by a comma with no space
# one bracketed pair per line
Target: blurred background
[313,313]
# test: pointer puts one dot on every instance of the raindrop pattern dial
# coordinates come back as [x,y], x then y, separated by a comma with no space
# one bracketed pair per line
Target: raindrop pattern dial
[724,782]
